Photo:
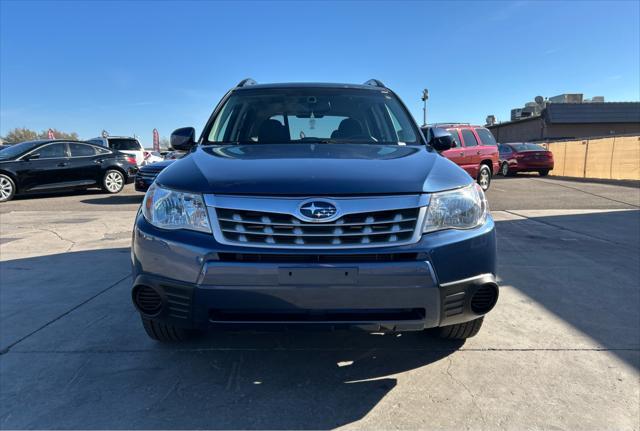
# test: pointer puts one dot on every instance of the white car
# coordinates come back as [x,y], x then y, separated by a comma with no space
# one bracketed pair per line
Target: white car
[151,156]
[124,144]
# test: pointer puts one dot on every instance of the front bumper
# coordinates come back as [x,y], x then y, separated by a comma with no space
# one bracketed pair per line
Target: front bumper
[528,166]
[202,283]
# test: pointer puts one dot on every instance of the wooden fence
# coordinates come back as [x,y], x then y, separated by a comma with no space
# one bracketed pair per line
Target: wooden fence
[615,158]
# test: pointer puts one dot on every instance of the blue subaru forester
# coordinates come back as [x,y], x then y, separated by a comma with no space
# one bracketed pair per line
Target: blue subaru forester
[313,204]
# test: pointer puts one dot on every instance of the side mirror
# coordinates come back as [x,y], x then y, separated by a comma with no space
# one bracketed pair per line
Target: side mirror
[441,140]
[183,139]
[32,156]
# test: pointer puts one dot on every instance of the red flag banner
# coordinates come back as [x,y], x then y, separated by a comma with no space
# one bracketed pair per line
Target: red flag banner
[156,140]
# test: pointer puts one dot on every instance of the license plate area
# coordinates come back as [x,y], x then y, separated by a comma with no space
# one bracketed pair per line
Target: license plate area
[301,276]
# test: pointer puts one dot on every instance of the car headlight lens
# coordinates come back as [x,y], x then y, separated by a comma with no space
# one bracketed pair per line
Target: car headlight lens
[170,209]
[464,208]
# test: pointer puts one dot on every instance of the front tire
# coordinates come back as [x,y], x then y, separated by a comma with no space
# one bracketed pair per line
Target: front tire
[164,332]
[113,181]
[484,177]
[461,331]
[543,172]
[7,188]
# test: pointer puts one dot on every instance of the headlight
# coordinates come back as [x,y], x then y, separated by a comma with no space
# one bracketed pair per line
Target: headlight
[465,208]
[169,209]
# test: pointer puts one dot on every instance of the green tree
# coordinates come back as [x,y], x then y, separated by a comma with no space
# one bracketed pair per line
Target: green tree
[58,134]
[20,134]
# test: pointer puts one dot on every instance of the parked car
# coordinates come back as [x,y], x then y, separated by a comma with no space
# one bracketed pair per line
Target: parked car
[46,165]
[151,157]
[474,149]
[147,174]
[313,204]
[124,144]
[525,157]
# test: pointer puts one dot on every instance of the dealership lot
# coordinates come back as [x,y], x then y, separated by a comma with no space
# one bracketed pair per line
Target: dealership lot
[561,349]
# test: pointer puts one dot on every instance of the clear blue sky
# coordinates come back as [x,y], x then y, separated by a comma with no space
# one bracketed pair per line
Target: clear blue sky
[131,66]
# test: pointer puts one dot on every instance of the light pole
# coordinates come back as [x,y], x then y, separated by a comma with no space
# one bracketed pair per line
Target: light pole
[425,97]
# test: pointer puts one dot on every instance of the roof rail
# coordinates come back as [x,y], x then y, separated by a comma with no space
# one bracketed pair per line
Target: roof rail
[448,123]
[375,83]
[245,82]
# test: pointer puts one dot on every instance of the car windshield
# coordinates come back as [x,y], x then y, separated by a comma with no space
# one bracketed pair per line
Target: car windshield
[312,115]
[527,147]
[17,149]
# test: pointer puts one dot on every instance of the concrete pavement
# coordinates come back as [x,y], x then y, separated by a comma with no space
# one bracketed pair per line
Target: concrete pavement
[561,350]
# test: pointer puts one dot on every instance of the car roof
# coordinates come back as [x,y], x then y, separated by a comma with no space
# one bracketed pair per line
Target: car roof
[309,85]
[116,137]
[50,141]
[456,126]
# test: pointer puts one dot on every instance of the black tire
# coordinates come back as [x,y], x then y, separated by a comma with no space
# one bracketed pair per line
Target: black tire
[113,181]
[543,172]
[504,169]
[164,332]
[7,188]
[461,331]
[484,177]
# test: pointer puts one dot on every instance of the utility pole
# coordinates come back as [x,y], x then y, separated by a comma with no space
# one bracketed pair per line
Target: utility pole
[425,97]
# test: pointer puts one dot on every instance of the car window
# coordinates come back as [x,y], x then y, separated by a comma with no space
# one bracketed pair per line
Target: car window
[404,132]
[299,128]
[486,137]
[469,138]
[527,147]
[81,150]
[103,151]
[456,138]
[17,149]
[52,151]
[504,149]
[119,144]
[97,141]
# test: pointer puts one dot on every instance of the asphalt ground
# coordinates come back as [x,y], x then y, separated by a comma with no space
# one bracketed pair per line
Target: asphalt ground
[561,350]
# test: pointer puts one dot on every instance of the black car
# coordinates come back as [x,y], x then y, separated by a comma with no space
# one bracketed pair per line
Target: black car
[148,173]
[39,166]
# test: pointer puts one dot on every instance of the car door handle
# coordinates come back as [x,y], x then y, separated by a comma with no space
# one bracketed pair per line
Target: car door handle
[478,152]
[99,162]
[462,153]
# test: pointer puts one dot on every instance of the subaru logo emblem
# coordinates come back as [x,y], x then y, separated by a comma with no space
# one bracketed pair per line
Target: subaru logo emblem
[318,210]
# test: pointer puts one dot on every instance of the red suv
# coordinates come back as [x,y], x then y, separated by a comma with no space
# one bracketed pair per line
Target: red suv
[474,149]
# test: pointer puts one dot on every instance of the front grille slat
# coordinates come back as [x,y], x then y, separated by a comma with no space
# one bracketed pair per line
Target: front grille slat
[261,228]
[410,219]
[321,234]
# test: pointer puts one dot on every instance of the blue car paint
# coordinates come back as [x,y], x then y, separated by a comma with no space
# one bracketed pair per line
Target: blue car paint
[313,170]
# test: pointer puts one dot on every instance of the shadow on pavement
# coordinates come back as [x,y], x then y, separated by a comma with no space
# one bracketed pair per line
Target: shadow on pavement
[583,268]
[634,184]
[115,200]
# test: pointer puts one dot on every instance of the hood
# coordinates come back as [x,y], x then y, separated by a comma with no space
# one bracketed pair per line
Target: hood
[313,170]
